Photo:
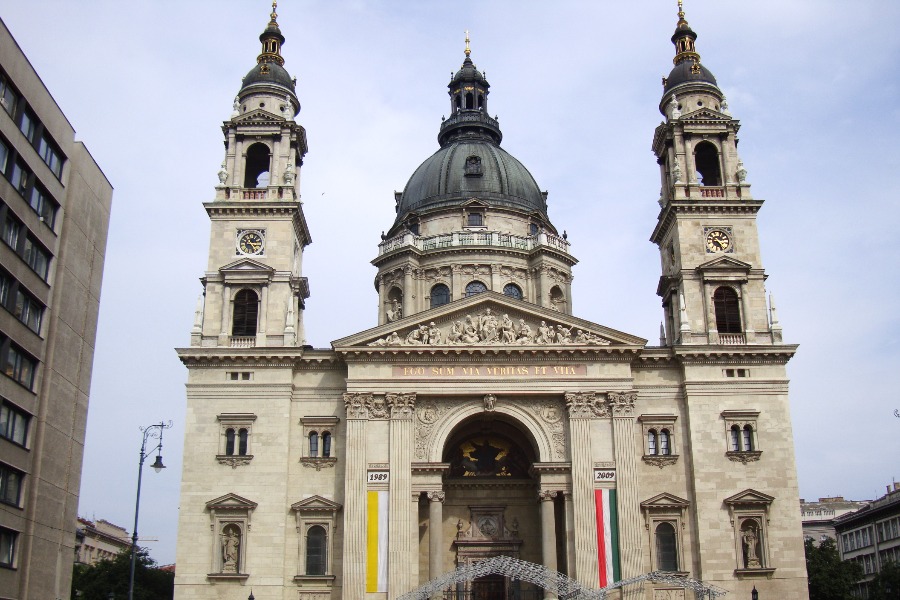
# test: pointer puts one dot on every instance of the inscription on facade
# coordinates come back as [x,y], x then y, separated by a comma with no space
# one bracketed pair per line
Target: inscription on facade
[505,371]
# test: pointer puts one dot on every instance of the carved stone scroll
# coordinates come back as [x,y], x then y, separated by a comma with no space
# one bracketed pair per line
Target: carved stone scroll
[585,405]
[621,404]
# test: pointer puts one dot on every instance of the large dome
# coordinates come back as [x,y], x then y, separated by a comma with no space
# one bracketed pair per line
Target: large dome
[450,176]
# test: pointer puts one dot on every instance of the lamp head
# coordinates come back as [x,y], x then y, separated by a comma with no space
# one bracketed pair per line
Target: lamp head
[158,464]
[754,595]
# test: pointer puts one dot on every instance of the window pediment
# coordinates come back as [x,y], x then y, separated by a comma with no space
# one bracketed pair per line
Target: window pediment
[664,502]
[231,502]
[316,504]
[724,265]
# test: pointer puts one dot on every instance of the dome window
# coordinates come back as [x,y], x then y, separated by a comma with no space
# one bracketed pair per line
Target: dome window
[475,219]
[473,167]
[513,291]
[476,287]
[440,295]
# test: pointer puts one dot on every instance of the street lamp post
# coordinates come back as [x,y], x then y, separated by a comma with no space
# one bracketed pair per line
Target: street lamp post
[154,431]
[754,595]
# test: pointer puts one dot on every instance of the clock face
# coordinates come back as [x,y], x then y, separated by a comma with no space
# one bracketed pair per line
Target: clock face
[717,241]
[250,242]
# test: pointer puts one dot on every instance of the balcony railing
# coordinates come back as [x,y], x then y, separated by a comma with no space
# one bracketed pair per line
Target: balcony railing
[474,238]
[239,341]
[732,339]
[712,192]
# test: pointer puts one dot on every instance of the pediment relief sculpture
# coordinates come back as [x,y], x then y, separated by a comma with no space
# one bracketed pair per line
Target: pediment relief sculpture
[487,328]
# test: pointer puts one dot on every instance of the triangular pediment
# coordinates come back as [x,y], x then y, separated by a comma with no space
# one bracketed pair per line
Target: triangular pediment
[749,497]
[246,265]
[725,263]
[665,500]
[705,114]
[474,203]
[488,319]
[316,503]
[258,116]
[231,501]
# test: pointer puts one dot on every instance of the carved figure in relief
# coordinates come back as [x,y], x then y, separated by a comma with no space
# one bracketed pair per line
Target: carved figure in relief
[434,334]
[562,335]
[507,330]
[394,312]
[289,174]
[545,334]
[223,174]
[525,336]
[456,333]
[416,337]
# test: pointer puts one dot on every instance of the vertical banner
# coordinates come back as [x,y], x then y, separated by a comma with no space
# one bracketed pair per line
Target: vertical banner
[607,537]
[377,542]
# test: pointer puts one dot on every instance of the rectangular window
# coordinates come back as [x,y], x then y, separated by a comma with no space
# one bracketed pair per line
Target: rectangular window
[4,156]
[51,155]
[7,547]
[28,310]
[13,423]
[28,125]
[8,96]
[19,177]
[37,258]
[10,485]
[20,366]
[11,231]
[45,206]
[5,284]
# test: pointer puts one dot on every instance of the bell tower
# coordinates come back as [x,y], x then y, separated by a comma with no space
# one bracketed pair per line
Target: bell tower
[253,289]
[713,282]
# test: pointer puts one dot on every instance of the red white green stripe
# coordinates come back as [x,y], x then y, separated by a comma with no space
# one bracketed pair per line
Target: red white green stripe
[607,537]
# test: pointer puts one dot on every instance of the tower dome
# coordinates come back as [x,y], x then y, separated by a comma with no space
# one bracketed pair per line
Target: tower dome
[470,162]
[269,76]
[687,70]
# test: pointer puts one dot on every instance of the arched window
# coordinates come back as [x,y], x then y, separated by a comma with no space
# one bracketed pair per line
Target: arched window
[706,159]
[256,171]
[246,309]
[728,310]
[440,295]
[242,442]
[476,287]
[316,550]
[735,439]
[664,447]
[666,548]
[229,442]
[475,219]
[513,291]
[651,442]
[534,229]
[748,438]
[557,299]
[313,444]
[326,444]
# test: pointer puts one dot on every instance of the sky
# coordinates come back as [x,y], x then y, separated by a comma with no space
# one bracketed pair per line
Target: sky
[576,86]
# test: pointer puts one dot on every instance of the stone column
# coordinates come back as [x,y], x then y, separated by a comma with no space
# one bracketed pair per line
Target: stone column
[382,301]
[570,534]
[584,406]
[548,528]
[354,575]
[226,311]
[456,290]
[435,534]
[408,292]
[749,332]
[621,406]
[262,328]
[400,522]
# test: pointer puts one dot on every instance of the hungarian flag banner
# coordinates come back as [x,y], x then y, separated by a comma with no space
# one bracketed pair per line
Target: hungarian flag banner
[607,537]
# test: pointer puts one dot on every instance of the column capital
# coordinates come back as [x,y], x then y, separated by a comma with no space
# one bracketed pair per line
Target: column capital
[621,404]
[356,404]
[401,406]
[547,495]
[585,405]
[436,496]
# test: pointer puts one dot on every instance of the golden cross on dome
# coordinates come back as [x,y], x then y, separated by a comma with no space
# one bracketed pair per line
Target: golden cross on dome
[274,14]
[468,50]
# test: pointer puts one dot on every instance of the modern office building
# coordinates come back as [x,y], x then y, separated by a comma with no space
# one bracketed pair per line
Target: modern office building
[871,536]
[819,517]
[54,215]
[479,423]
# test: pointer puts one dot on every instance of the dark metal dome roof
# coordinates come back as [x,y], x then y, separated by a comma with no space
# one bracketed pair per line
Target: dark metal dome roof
[442,180]
[276,75]
[682,73]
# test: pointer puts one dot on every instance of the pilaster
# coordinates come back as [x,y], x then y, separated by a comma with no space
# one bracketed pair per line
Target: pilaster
[621,407]
[400,528]
[354,577]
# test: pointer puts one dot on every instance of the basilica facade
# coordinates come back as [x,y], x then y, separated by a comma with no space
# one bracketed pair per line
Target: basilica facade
[480,418]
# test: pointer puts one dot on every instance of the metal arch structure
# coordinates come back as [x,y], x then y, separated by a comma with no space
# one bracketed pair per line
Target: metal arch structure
[564,587]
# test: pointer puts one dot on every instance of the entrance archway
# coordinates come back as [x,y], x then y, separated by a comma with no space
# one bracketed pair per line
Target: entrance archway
[556,583]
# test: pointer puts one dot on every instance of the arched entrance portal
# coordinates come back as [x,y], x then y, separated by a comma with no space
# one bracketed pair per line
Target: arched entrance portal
[491,503]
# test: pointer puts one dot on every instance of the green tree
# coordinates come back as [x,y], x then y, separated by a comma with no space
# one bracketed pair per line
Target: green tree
[97,581]
[830,578]
[886,585]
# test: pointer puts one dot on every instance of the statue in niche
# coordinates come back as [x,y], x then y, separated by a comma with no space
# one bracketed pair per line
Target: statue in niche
[231,542]
[750,538]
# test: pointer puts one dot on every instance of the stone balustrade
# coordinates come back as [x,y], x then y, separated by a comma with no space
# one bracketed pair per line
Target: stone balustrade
[458,239]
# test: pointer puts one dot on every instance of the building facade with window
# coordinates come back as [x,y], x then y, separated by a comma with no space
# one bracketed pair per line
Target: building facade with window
[54,215]
[480,417]
[871,536]
[99,540]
